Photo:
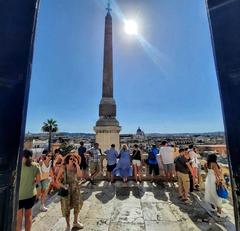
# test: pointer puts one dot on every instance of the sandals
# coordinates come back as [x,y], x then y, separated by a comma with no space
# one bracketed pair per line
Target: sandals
[187,201]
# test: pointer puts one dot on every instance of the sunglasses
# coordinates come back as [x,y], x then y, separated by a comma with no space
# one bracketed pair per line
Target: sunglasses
[71,158]
[49,155]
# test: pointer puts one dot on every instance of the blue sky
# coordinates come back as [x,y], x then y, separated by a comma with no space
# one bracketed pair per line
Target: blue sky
[164,79]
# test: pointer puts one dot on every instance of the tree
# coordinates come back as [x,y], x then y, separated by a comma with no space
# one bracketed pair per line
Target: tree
[50,126]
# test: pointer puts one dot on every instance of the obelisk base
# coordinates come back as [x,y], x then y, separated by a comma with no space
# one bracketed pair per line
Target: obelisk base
[107,135]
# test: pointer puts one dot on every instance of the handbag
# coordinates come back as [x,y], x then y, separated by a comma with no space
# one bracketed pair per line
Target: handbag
[222,191]
[63,192]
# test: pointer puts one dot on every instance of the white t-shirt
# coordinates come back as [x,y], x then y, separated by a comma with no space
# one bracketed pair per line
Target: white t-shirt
[167,154]
[194,158]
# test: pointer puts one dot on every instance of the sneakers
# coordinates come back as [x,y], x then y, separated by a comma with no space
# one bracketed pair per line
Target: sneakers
[221,215]
[78,225]
[43,209]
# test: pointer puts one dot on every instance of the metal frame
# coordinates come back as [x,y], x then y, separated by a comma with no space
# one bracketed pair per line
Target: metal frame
[17,29]
[224,24]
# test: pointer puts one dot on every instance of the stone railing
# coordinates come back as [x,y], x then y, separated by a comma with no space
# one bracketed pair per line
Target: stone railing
[144,168]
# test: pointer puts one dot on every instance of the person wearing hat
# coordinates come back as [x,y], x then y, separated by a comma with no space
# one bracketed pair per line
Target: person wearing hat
[68,178]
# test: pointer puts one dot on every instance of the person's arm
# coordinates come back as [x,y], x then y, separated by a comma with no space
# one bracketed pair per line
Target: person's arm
[51,173]
[79,172]
[160,156]
[38,175]
[59,177]
[37,178]
[217,173]
[190,168]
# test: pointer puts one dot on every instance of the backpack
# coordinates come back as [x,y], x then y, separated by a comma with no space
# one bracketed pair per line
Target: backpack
[151,155]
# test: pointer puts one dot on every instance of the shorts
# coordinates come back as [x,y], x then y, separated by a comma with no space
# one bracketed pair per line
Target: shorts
[27,203]
[137,162]
[153,168]
[168,167]
[43,184]
[94,166]
[111,167]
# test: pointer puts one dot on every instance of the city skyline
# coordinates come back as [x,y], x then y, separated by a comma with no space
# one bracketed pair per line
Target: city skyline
[164,79]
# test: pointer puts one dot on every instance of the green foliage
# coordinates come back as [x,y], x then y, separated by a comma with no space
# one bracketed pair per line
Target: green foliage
[50,126]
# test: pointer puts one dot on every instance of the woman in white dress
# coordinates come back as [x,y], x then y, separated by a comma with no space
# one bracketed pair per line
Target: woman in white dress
[214,177]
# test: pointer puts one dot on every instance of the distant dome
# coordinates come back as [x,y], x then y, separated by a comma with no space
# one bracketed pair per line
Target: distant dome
[140,132]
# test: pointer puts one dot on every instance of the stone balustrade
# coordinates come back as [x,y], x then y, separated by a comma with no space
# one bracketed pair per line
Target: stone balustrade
[144,169]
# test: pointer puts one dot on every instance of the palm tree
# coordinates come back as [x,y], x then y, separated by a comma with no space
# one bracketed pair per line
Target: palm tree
[50,126]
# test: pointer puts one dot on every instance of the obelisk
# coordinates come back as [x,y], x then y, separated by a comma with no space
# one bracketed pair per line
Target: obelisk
[107,127]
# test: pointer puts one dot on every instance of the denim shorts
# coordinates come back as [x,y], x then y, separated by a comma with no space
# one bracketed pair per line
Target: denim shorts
[43,184]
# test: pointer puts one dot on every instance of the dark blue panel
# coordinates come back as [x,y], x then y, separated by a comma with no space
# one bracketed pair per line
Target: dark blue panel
[224,18]
[17,23]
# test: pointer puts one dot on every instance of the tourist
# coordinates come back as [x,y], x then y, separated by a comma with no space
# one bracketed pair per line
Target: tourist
[94,161]
[183,167]
[46,173]
[136,162]
[57,162]
[111,156]
[83,166]
[226,179]
[30,175]
[153,163]
[195,164]
[123,168]
[167,159]
[68,178]
[214,178]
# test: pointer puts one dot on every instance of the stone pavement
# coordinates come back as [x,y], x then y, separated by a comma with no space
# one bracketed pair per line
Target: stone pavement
[135,207]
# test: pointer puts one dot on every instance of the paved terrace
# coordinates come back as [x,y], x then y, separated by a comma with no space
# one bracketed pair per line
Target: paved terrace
[135,207]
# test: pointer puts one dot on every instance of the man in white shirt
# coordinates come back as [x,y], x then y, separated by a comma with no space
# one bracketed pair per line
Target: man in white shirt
[167,159]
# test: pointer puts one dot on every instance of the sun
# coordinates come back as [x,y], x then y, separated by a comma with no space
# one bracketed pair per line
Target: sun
[131,27]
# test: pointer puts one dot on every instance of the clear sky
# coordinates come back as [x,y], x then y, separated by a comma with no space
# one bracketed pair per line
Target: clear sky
[164,79]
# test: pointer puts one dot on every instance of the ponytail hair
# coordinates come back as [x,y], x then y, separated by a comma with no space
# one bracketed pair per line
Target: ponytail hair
[27,154]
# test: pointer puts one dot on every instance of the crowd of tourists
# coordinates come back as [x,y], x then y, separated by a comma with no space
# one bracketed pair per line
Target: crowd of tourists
[65,173]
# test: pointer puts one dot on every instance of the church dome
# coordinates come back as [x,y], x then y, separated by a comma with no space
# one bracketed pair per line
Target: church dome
[140,132]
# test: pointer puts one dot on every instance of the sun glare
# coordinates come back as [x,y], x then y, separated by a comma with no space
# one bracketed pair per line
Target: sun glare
[131,27]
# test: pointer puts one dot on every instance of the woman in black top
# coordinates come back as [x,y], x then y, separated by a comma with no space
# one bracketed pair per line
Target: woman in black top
[83,165]
[136,162]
